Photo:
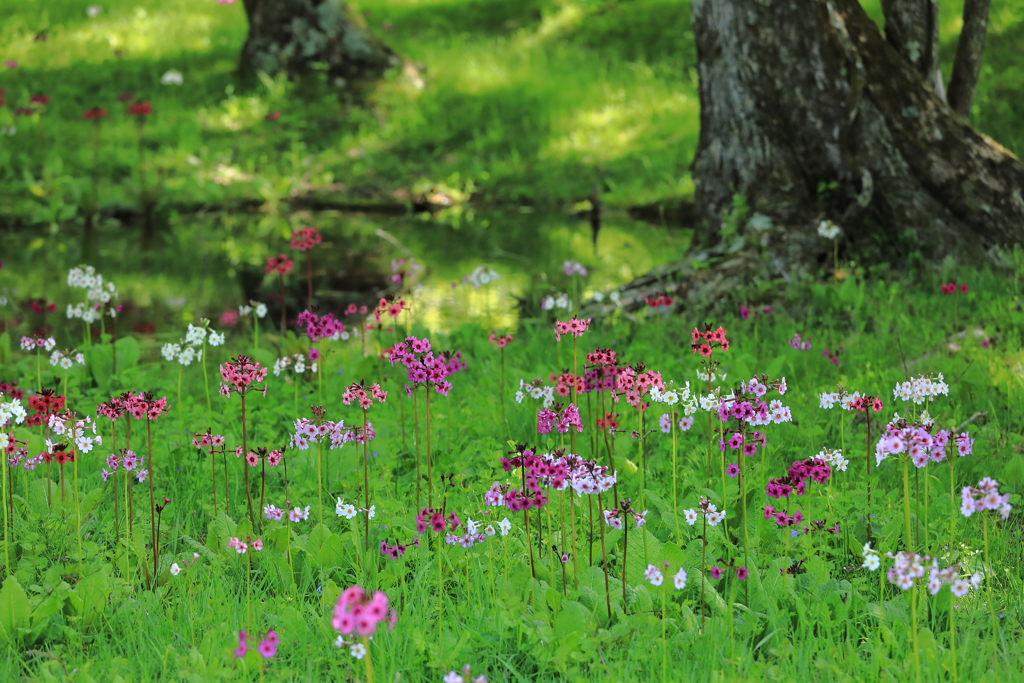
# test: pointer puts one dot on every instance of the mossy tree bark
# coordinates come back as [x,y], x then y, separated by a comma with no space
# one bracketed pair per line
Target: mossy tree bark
[293,35]
[797,95]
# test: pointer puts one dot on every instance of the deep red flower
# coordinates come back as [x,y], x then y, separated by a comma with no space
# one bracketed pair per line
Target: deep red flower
[273,116]
[140,109]
[95,113]
[963,288]
[125,97]
[39,99]
[2,97]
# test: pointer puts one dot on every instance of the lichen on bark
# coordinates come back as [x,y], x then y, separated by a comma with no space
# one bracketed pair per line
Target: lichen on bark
[299,35]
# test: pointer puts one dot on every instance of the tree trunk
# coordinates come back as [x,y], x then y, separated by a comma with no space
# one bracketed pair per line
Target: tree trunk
[293,35]
[912,27]
[969,49]
[808,113]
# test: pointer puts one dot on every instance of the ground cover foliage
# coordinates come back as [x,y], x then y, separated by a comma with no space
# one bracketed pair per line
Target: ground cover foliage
[526,102]
[566,596]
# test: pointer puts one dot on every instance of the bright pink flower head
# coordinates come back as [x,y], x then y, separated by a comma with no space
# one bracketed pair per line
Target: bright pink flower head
[241,375]
[575,327]
[356,613]
[145,405]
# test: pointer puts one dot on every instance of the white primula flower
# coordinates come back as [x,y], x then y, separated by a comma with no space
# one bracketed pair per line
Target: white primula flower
[828,230]
[172,77]
[216,339]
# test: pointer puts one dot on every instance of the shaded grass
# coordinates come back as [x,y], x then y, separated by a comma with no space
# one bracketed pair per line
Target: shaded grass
[530,102]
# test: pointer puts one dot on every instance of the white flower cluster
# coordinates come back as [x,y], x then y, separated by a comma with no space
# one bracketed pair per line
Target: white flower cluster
[919,389]
[828,230]
[827,400]
[670,397]
[254,307]
[97,290]
[79,432]
[713,515]
[87,313]
[536,390]
[549,303]
[613,296]
[191,348]
[711,401]
[656,578]
[66,359]
[834,458]
[710,376]
[12,412]
[348,510]
[481,275]
[297,362]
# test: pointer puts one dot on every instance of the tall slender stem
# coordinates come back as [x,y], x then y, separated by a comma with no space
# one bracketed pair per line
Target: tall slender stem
[320,479]
[989,580]
[430,475]
[245,453]
[152,501]
[625,549]
[78,519]
[280,277]
[604,560]
[309,280]
[416,440]
[7,540]
[366,481]
[675,498]
[369,666]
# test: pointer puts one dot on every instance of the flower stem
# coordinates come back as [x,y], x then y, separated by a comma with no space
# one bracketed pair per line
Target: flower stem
[7,552]
[152,501]
[416,439]
[366,482]
[245,453]
[320,478]
[430,475]
[369,666]
[625,548]
[78,519]
[675,498]
[989,580]
[604,562]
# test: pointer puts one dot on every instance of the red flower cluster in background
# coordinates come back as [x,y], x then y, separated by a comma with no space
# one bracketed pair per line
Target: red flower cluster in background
[707,341]
[140,109]
[280,264]
[951,288]
[306,239]
[660,300]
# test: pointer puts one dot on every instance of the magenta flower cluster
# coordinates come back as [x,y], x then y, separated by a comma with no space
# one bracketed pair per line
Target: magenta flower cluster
[356,612]
[559,419]
[318,327]
[423,367]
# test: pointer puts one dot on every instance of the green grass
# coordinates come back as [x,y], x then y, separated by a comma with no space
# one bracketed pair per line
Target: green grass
[530,102]
[94,616]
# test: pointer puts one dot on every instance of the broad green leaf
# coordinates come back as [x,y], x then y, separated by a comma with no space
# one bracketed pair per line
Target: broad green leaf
[15,612]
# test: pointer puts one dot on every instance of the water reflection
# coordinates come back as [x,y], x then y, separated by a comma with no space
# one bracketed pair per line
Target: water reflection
[208,264]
